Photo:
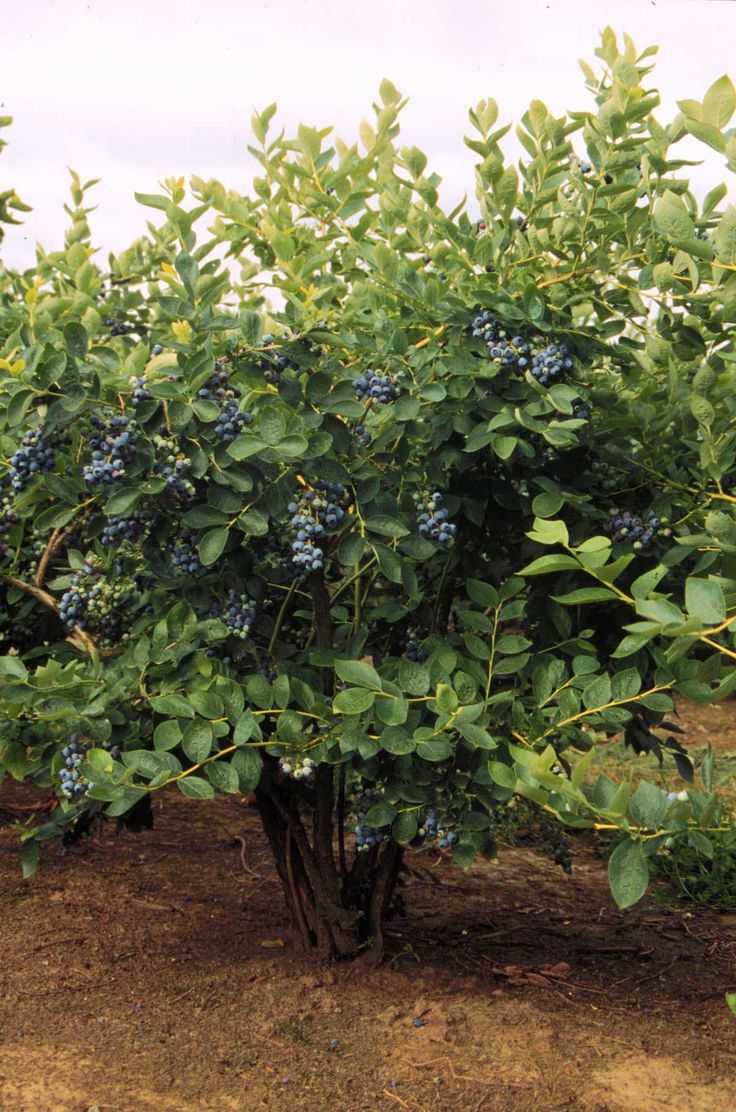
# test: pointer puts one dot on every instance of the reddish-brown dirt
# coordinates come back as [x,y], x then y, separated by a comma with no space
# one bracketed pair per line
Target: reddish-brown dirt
[154,972]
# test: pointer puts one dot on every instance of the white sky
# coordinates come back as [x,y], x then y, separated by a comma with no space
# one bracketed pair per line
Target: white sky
[135,91]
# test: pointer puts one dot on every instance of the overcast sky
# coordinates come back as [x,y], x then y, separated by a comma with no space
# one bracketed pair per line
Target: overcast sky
[136,91]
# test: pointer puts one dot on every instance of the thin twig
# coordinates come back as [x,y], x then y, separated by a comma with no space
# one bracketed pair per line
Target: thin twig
[238,838]
[464,1077]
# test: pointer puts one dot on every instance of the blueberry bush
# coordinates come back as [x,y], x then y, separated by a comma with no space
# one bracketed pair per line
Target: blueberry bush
[387,514]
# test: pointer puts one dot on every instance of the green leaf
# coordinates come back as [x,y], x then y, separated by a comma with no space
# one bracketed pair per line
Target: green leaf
[477,736]
[206,703]
[434,749]
[196,787]
[482,593]
[549,532]
[387,526]
[381,814]
[504,446]
[702,410]
[413,678]
[731,1001]
[502,774]
[597,693]
[585,594]
[628,874]
[122,500]
[181,622]
[187,270]
[244,446]
[672,218]
[719,103]
[167,735]
[245,728]
[197,740]
[359,673]
[446,699]
[247,763]
[172,705]
[405,827]
[29,852]
[649,805]
[704,598]
[212,545]
[701,844]
[725,237]
[14,667]
[547,504]
[464,854]
[353,700]
[512,643]
[75,339]
[706,768]
[153,200]
[388,561]
[546,564]
[397,741]
[223,776]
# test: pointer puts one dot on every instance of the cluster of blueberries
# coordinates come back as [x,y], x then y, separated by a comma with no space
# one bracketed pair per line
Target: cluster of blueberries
[73,785]
[317,512]
[550,363]
[433,520]
[581,409]
[104,600]
[510,353]
[513,353]
[119,327]
[74,601]
[413,651]
[236,612]
[129,528]
[587,167]
[141,393]
[32,458]
[299,768]
[485,327]
[218,386]
[8,518]
[431,829]
[112,448]
[380,388]
[273,370]
[366,837]
[362,435]
[625,526]
[184,555]
[602,475]
[231,422]
[172,466]
[360,801]
[92,602]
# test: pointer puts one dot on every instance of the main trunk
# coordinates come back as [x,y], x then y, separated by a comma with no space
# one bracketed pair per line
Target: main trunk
[335,912]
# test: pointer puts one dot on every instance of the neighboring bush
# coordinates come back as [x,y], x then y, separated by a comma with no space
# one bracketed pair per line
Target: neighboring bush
[461,513]
[702,870]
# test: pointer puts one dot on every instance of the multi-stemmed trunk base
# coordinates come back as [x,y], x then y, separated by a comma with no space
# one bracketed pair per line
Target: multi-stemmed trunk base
[335,913]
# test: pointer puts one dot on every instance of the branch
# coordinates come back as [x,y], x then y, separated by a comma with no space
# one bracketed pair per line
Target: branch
[56,540]
[324,778]
[79,638]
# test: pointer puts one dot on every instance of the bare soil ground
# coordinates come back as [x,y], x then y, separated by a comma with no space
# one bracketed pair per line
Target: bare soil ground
[153,972]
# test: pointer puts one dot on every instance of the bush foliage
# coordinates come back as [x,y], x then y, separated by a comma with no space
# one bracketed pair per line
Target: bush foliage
[386,513]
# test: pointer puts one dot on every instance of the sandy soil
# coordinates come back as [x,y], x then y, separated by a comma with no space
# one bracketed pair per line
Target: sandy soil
[154,972]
